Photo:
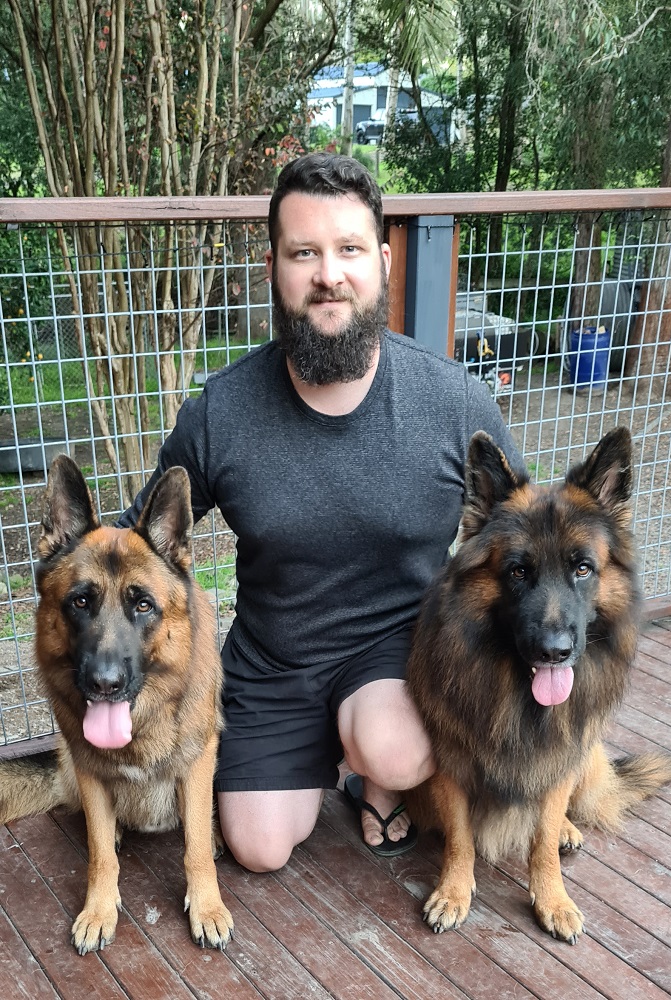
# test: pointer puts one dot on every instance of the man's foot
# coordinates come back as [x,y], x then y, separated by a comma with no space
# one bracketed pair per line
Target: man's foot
[387,829]
[385,803]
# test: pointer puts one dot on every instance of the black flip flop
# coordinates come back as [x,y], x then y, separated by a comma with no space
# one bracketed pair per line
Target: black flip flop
[353,792]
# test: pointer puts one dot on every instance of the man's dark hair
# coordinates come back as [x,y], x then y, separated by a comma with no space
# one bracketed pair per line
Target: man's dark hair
[326,174]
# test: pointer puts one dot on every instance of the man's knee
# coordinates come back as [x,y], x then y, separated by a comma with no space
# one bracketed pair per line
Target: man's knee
[258,854]
[261,829]
[395,765]
[391,757]
[383,736]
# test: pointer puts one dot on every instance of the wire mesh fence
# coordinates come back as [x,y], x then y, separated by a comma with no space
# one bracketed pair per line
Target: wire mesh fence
[569,321]
[105,328]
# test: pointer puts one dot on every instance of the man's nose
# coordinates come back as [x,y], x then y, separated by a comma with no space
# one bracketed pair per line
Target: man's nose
[330,271]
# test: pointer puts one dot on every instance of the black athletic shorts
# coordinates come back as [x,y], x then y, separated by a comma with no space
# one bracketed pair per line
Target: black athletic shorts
[281,725]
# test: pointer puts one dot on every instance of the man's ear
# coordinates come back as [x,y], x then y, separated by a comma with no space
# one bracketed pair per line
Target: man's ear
[385,250]
[269,264]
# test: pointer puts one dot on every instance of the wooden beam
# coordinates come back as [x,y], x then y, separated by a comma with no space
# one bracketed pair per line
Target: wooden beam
[398,241]
[656,607]
[23,748]
[454,277]
[20,210]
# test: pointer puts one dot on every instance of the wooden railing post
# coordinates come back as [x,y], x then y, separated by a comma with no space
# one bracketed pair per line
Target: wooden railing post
[397,238]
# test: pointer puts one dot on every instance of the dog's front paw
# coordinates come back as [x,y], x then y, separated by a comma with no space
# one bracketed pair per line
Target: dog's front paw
[447,907]
[211,923]
[560,917]
[218,842]
[95,927]
[570,837]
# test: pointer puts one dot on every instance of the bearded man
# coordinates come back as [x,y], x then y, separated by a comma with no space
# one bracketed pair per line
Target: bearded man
[336,454]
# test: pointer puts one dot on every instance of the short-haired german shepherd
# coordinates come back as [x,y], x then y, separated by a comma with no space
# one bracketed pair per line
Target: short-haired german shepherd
[126,648]
[521,655]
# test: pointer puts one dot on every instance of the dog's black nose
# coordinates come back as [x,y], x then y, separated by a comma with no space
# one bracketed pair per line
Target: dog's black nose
[107,679]
[556,647]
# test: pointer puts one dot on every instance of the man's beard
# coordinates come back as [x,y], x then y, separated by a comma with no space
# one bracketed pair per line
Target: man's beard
[326,358]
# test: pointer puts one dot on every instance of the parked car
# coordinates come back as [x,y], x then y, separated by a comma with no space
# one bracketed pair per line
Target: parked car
[438,119]
[371,129]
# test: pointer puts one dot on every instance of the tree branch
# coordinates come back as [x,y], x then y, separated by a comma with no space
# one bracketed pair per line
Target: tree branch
[269,11]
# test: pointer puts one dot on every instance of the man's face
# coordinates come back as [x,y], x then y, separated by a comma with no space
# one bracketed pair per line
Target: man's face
[329,279]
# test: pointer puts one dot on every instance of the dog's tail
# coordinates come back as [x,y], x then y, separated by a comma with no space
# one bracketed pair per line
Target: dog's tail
[609,788]
[30,786]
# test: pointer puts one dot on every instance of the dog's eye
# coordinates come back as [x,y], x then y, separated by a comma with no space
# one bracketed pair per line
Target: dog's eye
[80,602]
[143,606]
[583,570]
[518,573]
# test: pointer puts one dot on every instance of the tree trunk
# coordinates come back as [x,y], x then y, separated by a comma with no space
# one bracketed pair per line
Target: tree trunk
[588,272]
[511,99]
[392,99]
[347,123]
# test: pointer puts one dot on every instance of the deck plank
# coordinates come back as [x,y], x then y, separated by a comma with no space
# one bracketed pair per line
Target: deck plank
[254,956]
[512,957]
[592,958]
[133,961]
[158,909]
[338,922]
[20,972]
[31,901]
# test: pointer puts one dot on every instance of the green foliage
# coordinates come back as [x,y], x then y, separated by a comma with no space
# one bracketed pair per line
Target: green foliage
[22,624]
[418,152]
[365,158]
[550,94]
[323,137]
[21,167]
[410,34]
[599,102]
[223,579]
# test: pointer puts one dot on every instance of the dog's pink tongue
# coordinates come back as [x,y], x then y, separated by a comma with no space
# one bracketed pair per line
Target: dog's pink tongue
[107,724]
[552,685]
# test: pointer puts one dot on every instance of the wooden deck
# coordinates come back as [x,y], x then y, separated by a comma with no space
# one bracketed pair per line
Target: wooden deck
[337,922]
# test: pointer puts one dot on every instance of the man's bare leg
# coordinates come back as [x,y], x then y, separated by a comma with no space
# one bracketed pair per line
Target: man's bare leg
[385,742]
[261,829]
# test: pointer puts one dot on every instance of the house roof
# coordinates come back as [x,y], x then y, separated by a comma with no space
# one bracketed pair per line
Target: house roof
[338,72]
[322,92]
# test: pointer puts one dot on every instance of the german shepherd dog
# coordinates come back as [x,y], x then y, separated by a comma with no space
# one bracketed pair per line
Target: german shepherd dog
[126,648]
[521,655]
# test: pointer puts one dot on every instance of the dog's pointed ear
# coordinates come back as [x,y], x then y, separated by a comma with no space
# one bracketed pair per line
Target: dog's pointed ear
[166,520]
[489,481]
[68,512]
[607,474]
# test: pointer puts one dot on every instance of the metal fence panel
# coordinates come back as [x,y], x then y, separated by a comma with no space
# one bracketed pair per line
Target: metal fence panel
[105,330]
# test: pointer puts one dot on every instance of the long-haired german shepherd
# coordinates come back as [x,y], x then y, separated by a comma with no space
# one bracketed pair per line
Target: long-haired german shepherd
[126,648]
[521,655]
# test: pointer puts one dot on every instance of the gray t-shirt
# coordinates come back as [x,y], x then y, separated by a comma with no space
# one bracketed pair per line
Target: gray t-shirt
[341,521]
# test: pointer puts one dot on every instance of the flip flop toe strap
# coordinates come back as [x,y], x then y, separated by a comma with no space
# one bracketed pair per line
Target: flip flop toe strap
[384,823]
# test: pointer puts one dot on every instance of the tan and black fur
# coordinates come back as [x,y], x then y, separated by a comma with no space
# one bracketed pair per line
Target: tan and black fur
[121,618]
[542,578]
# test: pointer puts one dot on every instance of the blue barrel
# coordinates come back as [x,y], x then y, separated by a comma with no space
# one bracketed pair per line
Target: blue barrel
[589,358]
